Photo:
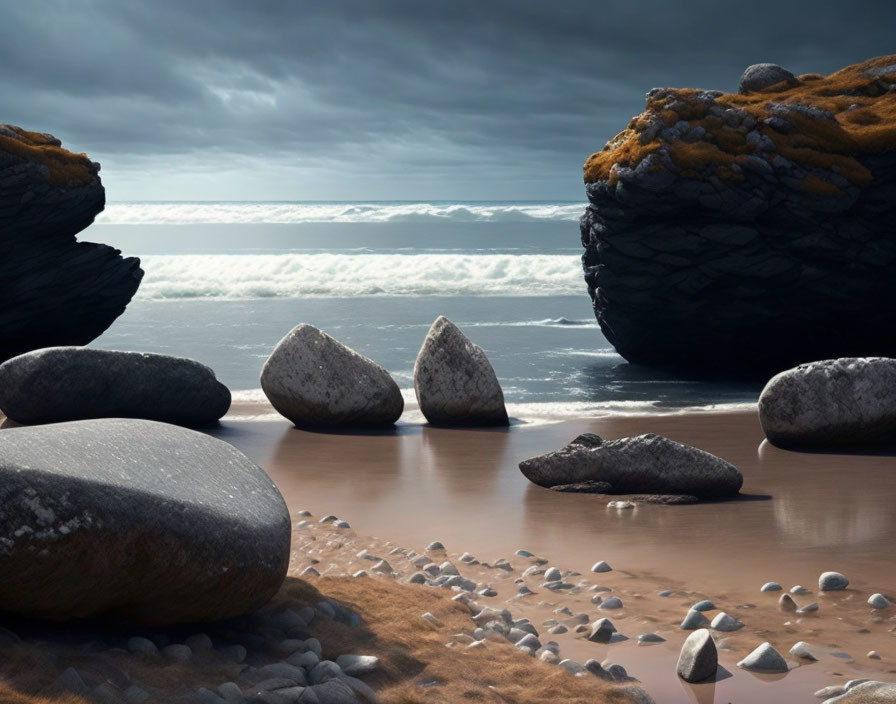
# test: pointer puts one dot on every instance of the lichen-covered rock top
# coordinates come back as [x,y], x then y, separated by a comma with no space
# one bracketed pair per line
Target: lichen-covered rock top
[45,153]
[717,220]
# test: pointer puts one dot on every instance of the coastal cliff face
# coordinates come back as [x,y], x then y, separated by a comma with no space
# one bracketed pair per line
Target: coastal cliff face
[746,233]
[55,290]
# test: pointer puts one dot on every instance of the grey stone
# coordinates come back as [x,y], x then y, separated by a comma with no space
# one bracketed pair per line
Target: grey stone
[135,694]
[832,581]
[601,567]
[758,77]
[871,692]
[314,380]
[139,644]
[771,587]
[704,605]
[801,650]
[71,680]
[235,652]
[308,659]
[357,664]
[613,602]
[601,631]
[552,574]
[199,642]
[159,523]
[649,464]
[230,691]
[699,658]
[285,671]
[334,691]
[206,696]
[323,671]
[177,652]
[832,403]
[693,620]
[786,603]
[60,384]
[454,382]
[725,623]
[878,601]
[764,659]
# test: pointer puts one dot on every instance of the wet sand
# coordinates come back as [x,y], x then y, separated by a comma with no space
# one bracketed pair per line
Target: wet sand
[801,514]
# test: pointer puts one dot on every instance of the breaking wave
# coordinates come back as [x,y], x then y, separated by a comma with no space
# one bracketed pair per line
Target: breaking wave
[245,213]
[242,276]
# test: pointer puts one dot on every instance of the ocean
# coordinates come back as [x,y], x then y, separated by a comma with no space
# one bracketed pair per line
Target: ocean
[225,281]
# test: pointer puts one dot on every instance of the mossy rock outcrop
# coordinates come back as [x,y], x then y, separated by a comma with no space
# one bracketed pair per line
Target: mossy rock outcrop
[56,291]
[744,233]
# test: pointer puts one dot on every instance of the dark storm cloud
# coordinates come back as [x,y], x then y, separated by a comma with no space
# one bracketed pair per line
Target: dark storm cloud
[471,91]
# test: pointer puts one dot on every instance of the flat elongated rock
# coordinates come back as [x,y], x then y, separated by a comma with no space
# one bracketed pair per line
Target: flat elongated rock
[867,693]
[454,381]
[643,464]
[59,384]
[142,520]
[699,658]
[833,403]
[314,380]
[764,659]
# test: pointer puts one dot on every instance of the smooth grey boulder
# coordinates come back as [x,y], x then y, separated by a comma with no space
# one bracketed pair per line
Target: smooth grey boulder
[832,581]
[764,659]
[699,658]
[758,77]
[832,403]
[649,464]
[138,520]
[867,693]
[58,384]
[316,381]
[454,381]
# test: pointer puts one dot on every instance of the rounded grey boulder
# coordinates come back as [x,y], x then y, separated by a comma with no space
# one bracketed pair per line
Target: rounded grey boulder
[758,77]
[454,381]
[136,519]
[832,581]
[764,659]
[646,464]
[58,384]
[314,380]
[832,403]
[699,658]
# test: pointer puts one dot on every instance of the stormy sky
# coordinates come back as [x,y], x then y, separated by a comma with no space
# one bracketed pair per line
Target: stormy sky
[384,99]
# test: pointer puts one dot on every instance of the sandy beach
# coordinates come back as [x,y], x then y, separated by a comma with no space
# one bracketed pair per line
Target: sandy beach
[797,517]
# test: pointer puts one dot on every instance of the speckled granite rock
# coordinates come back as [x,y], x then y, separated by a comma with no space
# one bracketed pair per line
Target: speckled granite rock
[745,234]
[56,291]
[832,403]
[137,519]
[75,383]
[454,381]
[314,380]
[867,693]
[646,464]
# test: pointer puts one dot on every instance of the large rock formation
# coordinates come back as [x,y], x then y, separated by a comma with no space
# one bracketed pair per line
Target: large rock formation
[747,233]
[137,519]
[56,291]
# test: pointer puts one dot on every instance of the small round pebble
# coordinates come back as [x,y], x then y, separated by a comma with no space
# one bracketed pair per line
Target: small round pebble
[801,650]
[138,644]
[341,524]
[704,605]
[552,574]
[435,545]
[613,602]
[524,553]
[601,566]
[878,601]
[771,587]
[799,589]
[873,655]
[304,512]
[650,638]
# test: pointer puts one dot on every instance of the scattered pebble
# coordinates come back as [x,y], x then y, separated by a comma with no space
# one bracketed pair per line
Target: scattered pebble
[801,650]
[432,619]
[704,605]
[309,571]
[601,631]
[341,524]
[808,608]
[435,545]
[524,553]
[724,622]
[138,644]
[764,659]
[771,587]
[786,603]
[694,620]
[878,601]
[832,581]
[699,658]
[613,602]
[357,664]
[650,638]
[873,655]
[303,512]
[601,567]
[328,519]
[621,504]
[799,589]
[552,574]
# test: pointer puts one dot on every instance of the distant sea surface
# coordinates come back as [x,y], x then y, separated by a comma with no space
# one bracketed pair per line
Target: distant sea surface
[225,281]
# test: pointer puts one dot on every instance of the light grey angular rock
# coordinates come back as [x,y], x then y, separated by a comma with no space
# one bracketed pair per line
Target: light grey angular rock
[871,692]
[786,603]
[699,658]
[316,381]
[156,523]
[725,623]
[846,402]
[802,650]
[758,77]
[58,384]
[454,382]
[878,601]
[693,620]
[601,631]
[832,581]
[764,659]
[646,464]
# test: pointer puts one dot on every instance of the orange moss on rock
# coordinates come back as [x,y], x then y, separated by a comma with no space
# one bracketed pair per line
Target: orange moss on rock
[859,98]
[64,168]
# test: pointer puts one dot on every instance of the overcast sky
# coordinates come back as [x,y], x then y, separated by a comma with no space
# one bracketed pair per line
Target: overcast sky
[384,99]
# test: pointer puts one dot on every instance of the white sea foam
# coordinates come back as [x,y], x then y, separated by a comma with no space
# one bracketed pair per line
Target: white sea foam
[241,276]
[221,213]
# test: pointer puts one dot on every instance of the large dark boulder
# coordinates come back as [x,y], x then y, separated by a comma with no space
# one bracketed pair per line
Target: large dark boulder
[646,464]
[76,383]
[56,291]
[745,234]
[137,520]
[831,404]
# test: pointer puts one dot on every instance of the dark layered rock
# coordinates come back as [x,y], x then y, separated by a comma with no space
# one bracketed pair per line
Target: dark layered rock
[647,465]
[831,404]
[745,234]
[58,384]
[138,520]
[56,291]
